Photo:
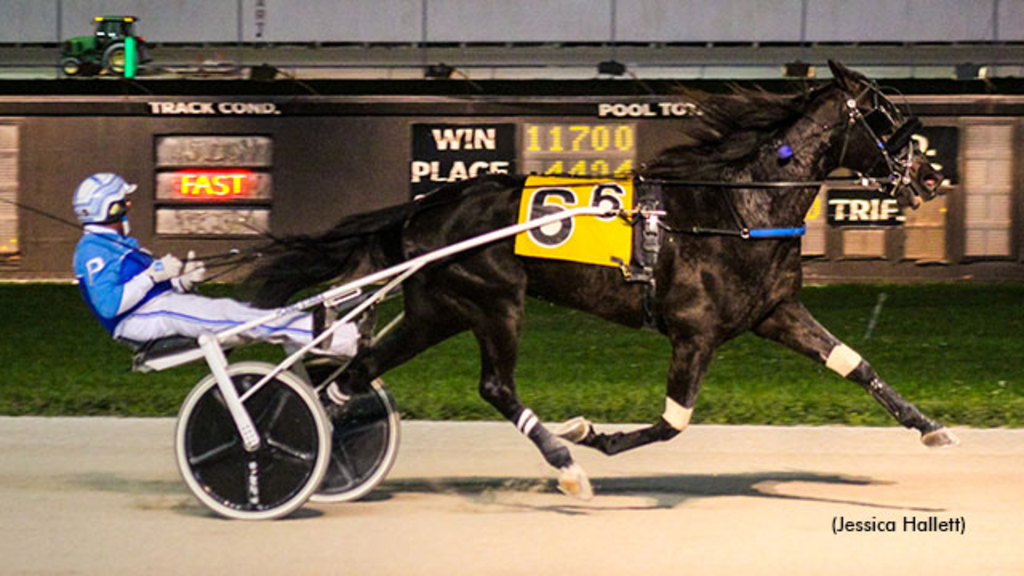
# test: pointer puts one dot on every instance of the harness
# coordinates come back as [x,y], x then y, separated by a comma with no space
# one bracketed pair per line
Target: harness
[648,231]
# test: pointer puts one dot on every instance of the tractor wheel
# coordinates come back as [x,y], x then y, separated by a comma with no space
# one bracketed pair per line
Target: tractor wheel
[114,59]
[71,66]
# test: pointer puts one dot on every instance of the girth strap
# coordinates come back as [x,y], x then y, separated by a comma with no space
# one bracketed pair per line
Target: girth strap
[647,237]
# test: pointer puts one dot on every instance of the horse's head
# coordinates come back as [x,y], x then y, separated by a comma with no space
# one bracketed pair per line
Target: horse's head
[877,140]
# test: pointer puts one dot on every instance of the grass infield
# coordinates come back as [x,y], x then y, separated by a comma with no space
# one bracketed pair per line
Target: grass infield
[957,351]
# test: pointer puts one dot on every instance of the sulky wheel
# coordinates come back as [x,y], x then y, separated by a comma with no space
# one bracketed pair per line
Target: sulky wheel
[282,473]
[364,444]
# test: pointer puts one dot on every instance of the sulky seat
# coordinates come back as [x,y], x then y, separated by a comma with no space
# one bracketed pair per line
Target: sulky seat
[163,353]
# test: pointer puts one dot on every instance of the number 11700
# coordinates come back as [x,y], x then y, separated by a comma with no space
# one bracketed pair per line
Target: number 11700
[579,149]
[580,138]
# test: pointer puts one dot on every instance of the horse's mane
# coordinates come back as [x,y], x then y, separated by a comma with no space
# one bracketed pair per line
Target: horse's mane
[727,128]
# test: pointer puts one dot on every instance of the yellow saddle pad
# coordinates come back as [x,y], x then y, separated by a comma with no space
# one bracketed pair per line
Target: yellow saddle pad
[584,239]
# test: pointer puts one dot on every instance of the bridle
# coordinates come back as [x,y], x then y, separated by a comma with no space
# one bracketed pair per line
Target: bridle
[885,125]
[890,131]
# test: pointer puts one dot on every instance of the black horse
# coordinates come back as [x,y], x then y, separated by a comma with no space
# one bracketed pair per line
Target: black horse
[712,284]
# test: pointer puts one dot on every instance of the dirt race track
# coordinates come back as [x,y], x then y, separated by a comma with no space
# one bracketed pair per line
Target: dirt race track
[103,496]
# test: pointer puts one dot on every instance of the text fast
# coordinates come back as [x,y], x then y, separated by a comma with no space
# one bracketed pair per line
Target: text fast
[213,185]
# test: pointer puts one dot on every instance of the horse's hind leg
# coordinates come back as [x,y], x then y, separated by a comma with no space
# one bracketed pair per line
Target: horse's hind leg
[411,336]
[498,337]
[792,325]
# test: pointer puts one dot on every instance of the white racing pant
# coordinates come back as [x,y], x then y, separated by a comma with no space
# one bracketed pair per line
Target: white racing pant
[174,314]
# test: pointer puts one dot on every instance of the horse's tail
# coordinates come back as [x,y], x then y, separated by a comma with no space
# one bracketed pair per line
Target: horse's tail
[358,244]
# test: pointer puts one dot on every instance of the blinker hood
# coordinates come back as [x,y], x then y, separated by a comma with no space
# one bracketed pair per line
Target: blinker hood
[901,137]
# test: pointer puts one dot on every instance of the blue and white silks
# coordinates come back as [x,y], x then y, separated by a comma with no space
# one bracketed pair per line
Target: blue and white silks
[110,269]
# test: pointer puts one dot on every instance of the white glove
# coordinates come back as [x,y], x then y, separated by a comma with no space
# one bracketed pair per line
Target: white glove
[164,269]
[193,273]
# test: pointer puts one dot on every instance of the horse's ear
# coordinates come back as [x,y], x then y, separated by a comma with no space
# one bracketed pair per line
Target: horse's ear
[846,79]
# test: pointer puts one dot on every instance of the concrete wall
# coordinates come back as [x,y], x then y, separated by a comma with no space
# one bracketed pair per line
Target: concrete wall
[413,21]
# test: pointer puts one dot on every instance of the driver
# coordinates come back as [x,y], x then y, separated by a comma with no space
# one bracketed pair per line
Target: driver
[139,298]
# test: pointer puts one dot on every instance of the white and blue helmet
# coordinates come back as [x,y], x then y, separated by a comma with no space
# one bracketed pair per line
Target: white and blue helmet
[101,198]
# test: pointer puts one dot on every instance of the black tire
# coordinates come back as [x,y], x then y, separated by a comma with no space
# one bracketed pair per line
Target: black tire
[114,58]
[71,66]
[281,474]
[364,444]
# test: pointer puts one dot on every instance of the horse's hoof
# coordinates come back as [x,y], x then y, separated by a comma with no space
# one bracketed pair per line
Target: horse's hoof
[574,430]
[940,438]
[574,482]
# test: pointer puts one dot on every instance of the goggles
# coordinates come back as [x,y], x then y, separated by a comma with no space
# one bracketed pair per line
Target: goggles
[118,210]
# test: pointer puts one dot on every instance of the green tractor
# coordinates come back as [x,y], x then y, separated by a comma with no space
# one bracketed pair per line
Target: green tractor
[114,48]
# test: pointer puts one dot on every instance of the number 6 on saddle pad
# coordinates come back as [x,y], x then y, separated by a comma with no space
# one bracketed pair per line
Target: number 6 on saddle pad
[605,241]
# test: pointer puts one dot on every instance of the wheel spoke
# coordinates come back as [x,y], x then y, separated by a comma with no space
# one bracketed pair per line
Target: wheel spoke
[213,454]
[337,469]
[294,453]
[269,417]
[342,463]
[348,432]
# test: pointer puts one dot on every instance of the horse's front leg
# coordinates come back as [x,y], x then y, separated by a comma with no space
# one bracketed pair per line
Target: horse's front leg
[690,359]
[793,325]
[498,338]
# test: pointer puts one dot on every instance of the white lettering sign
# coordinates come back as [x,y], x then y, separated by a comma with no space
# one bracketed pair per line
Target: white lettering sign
[465,138]
[867,211]
[648,109]
[214,108]
[430,171]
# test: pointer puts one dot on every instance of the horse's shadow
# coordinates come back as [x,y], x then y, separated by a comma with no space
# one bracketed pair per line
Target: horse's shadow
[638,492]
[632,493]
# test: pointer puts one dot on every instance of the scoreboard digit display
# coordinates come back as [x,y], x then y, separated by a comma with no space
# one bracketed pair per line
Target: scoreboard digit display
[579,148]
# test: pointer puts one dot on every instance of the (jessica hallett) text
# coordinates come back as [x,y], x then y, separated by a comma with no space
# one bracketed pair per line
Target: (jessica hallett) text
[921,524]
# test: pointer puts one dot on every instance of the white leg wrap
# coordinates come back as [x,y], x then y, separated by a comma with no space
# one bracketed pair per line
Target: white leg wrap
[527,420]
[574,430]
[676,415]
[842,360]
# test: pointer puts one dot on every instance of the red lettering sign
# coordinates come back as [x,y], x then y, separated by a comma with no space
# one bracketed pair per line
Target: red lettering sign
[212,184]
